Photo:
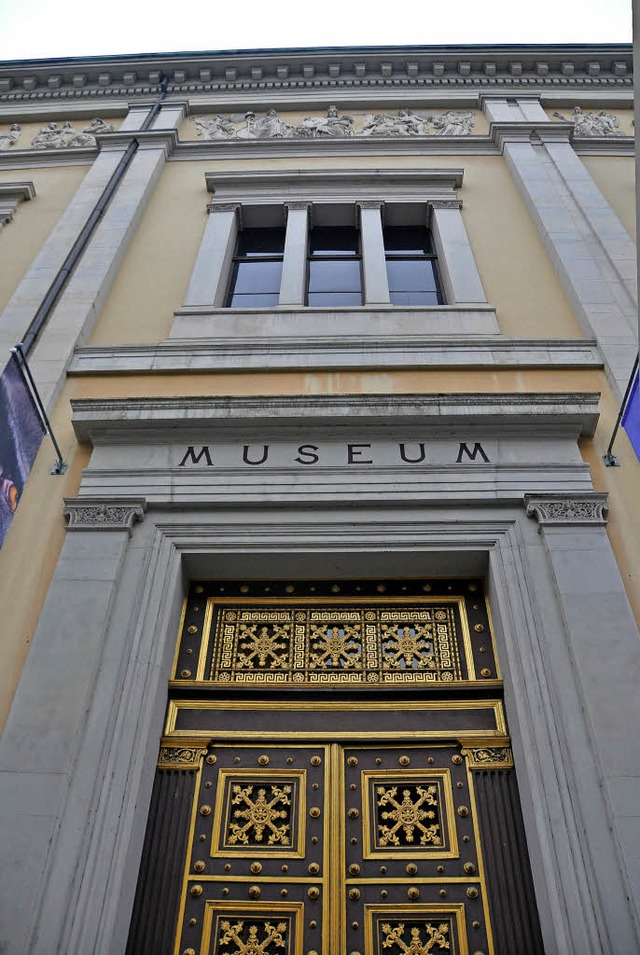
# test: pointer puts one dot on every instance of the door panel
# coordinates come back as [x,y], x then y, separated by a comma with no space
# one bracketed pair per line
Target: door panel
[256,875]
[413,871]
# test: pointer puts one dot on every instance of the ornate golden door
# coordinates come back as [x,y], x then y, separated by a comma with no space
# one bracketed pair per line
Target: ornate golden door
[370,822]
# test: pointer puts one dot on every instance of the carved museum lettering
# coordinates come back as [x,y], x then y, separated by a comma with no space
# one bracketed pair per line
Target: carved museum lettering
[255,454]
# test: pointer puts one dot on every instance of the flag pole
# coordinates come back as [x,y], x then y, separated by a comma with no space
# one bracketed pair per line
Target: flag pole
[610,460]
[19,357]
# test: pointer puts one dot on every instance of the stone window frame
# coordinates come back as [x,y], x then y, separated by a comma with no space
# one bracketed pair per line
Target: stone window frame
[401,196]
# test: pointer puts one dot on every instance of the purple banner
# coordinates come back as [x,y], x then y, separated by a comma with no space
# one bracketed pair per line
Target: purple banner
[631,416]
[21,432]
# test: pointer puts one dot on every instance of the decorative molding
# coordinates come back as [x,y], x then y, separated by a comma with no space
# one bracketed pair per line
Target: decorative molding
[90,514]
[539,415]
[185,754]
[526,69]
[53,136]
[567,510]
[405,123]
[488,753]
[213,207]
[445,203]
[11,195]
[230,352]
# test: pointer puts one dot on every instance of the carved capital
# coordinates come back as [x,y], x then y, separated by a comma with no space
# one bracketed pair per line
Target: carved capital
[445,203]
[186,754]
[223,207]
[297,205]
[566,510]
[488,754]
[90,514]
[370,204]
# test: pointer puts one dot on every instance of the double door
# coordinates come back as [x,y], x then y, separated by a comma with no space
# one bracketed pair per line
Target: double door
[334,848]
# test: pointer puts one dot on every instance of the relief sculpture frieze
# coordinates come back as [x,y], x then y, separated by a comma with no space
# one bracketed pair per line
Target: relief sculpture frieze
[335,125]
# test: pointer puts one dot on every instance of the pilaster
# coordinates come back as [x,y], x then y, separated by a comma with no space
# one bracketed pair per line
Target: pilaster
[61,714]
[294,265]
[374,267]
[210,274]
[602,641]
[590,250]
[456,263]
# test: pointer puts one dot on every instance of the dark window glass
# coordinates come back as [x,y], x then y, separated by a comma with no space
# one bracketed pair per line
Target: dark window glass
[334,272]
[257,269]
[341,241]
[411,267]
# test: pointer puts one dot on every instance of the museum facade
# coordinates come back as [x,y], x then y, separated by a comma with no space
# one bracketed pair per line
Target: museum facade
[321,635]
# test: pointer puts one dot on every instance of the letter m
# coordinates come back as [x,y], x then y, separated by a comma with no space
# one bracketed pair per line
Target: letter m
[194,458]
[472,455]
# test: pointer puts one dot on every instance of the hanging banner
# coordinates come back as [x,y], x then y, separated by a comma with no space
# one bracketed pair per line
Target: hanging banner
[21,432]
[631,416]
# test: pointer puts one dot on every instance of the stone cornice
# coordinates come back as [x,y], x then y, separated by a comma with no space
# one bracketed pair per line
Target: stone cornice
[11,194]
[519,67]
[404,351]
[525,414]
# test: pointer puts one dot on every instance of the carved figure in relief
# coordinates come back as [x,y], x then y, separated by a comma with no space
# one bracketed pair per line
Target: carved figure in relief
[53,136]
[8,139]
[590,124]
[248,130]
[270,127]
[377,124]
[49,137]
[405,123]
[98,125]
[330,125]
[412,124]
[218,127]
[453,123]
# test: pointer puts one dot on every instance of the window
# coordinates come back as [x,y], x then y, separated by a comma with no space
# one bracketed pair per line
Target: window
[411,267]
[257,269]
[334,272]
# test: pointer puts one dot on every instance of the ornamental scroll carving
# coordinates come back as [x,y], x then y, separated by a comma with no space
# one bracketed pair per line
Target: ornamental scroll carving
[489,756]
[567,510]
[180,757]
[98,515]
[335,125]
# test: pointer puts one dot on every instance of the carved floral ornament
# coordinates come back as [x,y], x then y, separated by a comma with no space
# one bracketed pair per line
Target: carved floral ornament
[92,515]
[567,510]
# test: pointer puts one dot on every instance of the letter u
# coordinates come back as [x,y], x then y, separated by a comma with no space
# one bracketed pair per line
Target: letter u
[245,454]
[403,454]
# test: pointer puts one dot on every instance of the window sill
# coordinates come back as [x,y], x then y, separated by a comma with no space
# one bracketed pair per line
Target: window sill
[293,322]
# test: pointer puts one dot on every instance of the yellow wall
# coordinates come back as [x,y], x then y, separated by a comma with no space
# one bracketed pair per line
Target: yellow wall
[21,240]
[615,177]
[517,274]
[36,535]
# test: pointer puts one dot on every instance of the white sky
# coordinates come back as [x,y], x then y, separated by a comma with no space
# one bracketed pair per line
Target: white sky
[51,28]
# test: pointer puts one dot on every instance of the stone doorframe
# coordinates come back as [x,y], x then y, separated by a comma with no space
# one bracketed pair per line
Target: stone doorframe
[78,755]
